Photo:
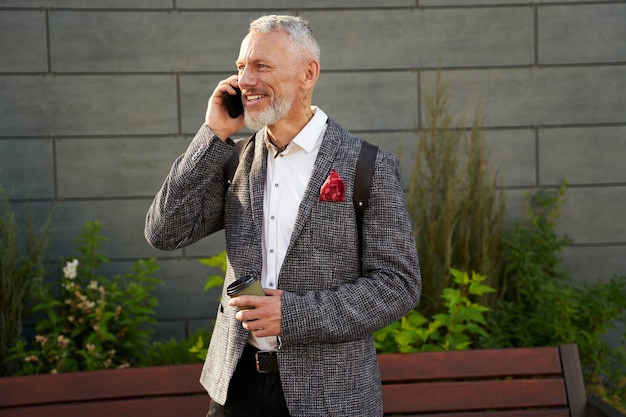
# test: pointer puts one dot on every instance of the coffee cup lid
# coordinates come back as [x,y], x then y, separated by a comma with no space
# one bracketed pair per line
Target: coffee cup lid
[241,283]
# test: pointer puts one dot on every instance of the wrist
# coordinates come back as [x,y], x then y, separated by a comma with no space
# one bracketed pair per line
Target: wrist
[222,135]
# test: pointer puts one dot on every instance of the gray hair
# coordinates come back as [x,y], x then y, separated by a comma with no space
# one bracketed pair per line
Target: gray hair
[298,29]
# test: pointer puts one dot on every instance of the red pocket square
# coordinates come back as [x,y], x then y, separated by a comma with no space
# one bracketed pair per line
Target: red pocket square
[333,189]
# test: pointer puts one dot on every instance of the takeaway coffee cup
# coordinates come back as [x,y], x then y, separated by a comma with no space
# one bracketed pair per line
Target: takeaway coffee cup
[249,284]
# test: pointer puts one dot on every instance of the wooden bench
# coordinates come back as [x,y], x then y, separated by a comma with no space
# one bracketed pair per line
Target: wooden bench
[165,391]
[537,382]
[522,382]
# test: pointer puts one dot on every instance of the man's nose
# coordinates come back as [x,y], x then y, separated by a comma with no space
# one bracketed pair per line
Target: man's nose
[246,78]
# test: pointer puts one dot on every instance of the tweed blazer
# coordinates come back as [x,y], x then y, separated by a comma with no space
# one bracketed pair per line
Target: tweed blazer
[333,300]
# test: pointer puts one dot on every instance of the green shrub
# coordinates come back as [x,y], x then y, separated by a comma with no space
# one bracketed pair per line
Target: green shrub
[454,201]
[22,249]
[455,329]
[173,352]
[542,307]
[458,217]
[90,321]
[200,347]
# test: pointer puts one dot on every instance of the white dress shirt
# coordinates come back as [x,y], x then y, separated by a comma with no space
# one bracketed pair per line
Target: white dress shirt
[288,174]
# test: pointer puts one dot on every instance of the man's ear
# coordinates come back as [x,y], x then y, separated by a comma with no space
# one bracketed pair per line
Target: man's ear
[311,73]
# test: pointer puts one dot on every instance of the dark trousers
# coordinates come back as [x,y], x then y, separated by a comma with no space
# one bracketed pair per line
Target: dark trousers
[252,394]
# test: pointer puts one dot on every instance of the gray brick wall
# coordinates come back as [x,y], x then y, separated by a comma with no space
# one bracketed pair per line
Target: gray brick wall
[97,98]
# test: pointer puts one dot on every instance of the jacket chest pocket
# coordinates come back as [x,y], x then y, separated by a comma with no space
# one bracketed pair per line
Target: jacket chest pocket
[333,227]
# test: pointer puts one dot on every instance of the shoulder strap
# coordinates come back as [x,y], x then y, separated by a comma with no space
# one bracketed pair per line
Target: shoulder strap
[233,161]
[363,182]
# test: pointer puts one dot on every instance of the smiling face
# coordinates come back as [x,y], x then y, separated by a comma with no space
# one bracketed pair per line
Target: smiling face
[274,79]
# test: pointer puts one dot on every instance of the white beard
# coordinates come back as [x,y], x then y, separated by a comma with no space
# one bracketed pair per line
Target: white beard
[278,108]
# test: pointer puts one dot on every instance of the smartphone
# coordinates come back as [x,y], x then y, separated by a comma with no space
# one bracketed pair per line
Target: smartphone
[234,104]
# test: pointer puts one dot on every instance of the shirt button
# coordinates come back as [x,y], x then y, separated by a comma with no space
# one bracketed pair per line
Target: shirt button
[276,185]
[271,284]
[273,217]
[271,250]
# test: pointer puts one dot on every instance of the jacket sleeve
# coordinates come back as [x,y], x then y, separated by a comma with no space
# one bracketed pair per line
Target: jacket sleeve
[389,284]
[189,205]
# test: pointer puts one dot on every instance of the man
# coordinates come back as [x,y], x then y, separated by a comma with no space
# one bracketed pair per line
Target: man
[311,333]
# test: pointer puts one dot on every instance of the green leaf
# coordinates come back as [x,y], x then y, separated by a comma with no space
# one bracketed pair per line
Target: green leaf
[213,282]
[480,289]
[218,260]
[460,278]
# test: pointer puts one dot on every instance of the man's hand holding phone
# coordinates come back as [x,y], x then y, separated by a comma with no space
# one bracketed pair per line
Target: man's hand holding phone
[222,105]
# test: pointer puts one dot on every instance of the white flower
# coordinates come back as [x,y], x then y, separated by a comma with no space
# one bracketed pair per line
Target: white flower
[93,285]
[70,269]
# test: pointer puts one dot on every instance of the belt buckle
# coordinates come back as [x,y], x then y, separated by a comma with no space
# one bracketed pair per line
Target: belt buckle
[266,361]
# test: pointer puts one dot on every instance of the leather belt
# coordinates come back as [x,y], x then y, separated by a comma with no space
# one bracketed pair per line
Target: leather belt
[266,361]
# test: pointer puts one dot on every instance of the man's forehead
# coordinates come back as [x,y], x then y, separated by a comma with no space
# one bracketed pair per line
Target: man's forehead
[256,43]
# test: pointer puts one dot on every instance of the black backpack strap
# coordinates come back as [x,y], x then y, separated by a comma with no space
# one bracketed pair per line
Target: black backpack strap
[363,182]
[233,161]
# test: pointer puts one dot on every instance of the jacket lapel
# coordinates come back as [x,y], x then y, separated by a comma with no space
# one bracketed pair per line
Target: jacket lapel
[323,165]
[258,170]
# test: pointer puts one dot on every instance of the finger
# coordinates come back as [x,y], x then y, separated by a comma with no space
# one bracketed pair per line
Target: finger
[246,315]
[245,300]
[265,331]
[229,84]
[273,293]
[252,325]
[220,90]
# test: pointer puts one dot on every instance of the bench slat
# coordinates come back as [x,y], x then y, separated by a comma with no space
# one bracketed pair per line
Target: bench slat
[470,364]
[555,412]
[197,405]
[474,395]
[99,385]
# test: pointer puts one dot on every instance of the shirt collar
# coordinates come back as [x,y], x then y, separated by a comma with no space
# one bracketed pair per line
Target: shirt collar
[307,138]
